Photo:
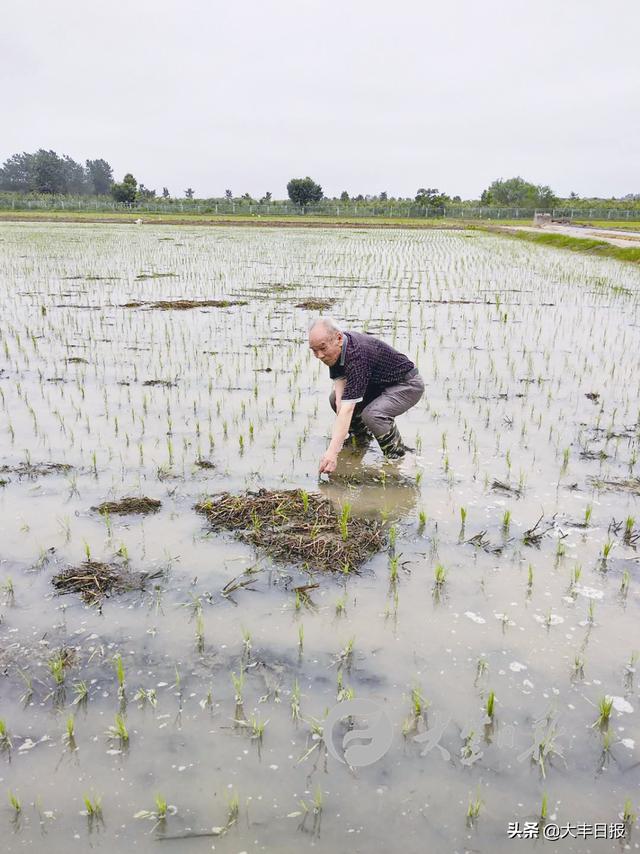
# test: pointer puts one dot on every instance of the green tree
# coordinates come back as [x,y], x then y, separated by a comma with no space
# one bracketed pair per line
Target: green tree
[99,176]
[228,195]
[126,191]
[145,194]
[430,197]
[266,198]
[303,191]
[165,193]
[16,173]
[52,174]
[189,193]
[344,196]
[516,192]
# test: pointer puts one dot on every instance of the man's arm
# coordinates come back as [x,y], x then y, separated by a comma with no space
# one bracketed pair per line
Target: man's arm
[338,435]
[338,387]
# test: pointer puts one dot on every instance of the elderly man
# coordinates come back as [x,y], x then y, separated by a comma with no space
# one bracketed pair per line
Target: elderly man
[373,383]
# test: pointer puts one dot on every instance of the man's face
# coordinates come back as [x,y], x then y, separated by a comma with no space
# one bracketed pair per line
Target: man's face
[325,345]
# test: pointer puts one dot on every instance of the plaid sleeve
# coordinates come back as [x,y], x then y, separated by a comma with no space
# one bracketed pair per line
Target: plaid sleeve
[358,374]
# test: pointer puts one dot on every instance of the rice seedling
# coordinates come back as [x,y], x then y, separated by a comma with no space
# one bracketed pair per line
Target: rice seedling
[628,815]
[57,668]
[587,515]
[15,804]
[313,808]
[255,725]
[506,521]
[393,535]
[482,667]
[146,696]
[295,702]
[578,667]
[345,513]
[238,686]
[118,731]
[5,739]
[119,668]
[160,813]
[490,706]
[8,591]
[200,630]
[440,575]
[605,704]
[473,810]
[69,736]
[25,699]
[393,570]
[606,550]
[93,808]
[544,807]
[341,605]
[416,717]
[544,747]
[342,691]
[300,638]
[422,521]
[624,584]
[233,810]
[207,701]
[81,693]
[246,643]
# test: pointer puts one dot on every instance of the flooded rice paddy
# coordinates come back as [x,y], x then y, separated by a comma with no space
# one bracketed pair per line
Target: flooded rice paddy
[493,632]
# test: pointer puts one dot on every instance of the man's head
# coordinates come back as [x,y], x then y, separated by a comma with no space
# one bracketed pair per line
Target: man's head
[325,340]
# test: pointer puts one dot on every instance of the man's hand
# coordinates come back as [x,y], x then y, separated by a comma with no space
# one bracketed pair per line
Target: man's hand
[328,463]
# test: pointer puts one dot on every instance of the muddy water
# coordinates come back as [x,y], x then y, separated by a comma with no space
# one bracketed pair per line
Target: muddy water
[510,340]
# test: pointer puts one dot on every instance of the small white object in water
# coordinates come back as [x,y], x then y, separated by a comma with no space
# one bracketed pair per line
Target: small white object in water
[589,592]
[516,666]
[621,705]
[475,617]
[628,742]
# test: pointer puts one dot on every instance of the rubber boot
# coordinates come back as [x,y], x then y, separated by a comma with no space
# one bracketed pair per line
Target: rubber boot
[391,444]
[358,433]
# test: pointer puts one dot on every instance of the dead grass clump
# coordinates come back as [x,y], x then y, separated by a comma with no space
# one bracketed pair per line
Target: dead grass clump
[296,527]
[630,484]
[129,505]
[205,464]
[36,469]
[316,304]
[183,304]
[94,580]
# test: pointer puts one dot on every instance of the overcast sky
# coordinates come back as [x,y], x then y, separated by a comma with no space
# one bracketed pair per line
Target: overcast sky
[362,96]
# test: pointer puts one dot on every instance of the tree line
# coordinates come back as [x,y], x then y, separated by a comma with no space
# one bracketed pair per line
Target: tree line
[47,173]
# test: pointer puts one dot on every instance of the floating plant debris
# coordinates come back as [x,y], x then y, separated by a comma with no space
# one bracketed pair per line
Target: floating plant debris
[94,580]
[183,304]
[316,304]
[295,527]
[36,469]
[129,505]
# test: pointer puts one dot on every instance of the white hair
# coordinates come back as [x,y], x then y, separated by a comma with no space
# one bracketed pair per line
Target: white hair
[329,323]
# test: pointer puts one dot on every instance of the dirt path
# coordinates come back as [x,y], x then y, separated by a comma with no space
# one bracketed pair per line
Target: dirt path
[615,238]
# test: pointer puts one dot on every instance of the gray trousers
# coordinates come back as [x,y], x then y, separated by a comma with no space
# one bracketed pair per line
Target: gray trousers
[378,415]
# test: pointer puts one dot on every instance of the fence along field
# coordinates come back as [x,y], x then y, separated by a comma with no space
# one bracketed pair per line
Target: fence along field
[497,620]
